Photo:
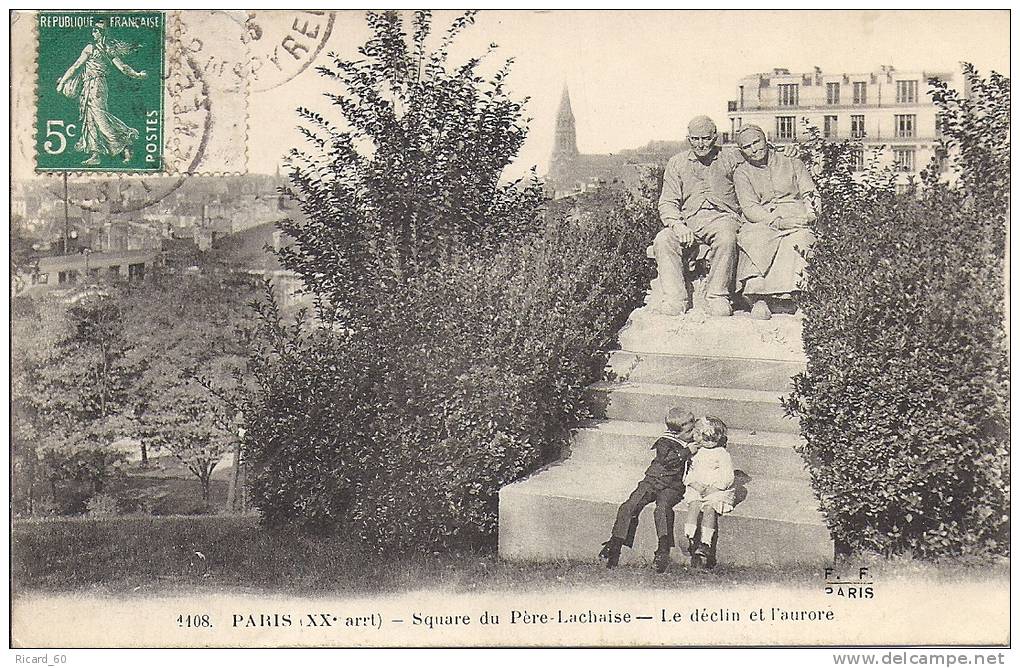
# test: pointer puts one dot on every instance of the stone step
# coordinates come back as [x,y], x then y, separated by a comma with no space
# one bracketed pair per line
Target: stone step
[733,372]
[626,443]
[567,511]
[757,410]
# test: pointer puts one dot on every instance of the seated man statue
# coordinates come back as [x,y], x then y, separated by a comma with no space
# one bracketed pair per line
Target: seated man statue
[698,204]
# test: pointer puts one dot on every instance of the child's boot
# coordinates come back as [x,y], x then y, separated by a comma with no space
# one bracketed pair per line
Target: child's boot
[710,557]
[611,552]
[661,561]
[702,554]
[692,552]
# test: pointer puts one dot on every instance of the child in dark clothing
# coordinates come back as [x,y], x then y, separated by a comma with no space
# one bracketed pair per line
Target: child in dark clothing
[664,484]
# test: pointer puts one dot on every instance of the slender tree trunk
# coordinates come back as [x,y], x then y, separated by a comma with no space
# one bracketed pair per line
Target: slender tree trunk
[206,479]
[31,483]
[104,380]
[235,477]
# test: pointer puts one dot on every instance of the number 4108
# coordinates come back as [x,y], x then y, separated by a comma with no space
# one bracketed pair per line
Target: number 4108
[193,621]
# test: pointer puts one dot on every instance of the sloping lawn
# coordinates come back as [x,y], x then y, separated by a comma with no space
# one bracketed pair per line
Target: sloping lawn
[177,554]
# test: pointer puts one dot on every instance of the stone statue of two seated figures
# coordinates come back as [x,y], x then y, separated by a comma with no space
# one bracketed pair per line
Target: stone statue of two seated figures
[746,211]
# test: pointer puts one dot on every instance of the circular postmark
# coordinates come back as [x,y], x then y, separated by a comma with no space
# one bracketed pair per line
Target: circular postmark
[283,44]
[188,134]
[184,149]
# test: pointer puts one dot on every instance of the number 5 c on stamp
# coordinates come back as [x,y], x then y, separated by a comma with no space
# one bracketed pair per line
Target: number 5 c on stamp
[99,95]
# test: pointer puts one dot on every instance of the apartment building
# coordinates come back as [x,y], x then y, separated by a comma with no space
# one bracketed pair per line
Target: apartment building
[889,108]
[65,272]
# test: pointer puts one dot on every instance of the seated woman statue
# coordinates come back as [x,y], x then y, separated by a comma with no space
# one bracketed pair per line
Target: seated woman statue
[776,195]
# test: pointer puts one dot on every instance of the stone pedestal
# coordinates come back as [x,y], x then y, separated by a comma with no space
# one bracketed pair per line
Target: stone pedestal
[698,334]
[736,368]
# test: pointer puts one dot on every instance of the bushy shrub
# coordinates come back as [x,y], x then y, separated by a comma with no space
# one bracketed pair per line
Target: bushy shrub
[75,471]
[457,325]
[404,434]
[905,402]
[102,505]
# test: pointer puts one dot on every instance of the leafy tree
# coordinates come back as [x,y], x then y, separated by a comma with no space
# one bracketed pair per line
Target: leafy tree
[975,133]
[33,339]
[70,380]
[189,345]
[410,173]
[184,419]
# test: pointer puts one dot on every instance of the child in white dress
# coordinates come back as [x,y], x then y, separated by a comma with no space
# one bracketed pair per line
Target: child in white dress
[710,490]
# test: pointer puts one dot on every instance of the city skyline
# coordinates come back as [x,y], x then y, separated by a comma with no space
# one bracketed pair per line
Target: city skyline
[623,97]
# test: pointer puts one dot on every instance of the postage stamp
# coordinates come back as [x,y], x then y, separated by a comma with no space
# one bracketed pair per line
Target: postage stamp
[100,91]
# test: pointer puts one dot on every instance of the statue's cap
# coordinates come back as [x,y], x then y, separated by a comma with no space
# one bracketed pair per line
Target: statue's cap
[701,126]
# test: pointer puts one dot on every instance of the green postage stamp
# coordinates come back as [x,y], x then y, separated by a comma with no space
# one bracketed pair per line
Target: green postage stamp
[99,91]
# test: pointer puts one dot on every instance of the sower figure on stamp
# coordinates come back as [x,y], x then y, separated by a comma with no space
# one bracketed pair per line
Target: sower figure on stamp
[86,79]
[664,484]
[698,204]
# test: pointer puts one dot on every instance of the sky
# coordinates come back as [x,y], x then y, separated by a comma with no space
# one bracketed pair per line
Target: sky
[633,76]
[637,76]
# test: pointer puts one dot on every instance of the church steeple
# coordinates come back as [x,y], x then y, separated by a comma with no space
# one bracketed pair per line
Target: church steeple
[565,142]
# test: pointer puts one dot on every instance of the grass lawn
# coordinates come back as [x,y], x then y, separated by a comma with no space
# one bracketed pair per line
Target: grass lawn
[174,495]
[216,553]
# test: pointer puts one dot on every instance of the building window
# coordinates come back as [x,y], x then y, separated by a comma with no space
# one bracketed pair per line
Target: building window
[904,124]
[904,159]
[789,95]
[906,92]
[40,279]
[857,126]
[136,272]
[857,160]
[830,127]
[832,93]
[69,277]
[786,127]
[860,92]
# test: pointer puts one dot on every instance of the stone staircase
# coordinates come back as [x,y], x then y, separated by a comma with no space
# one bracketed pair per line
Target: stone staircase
[735,368]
